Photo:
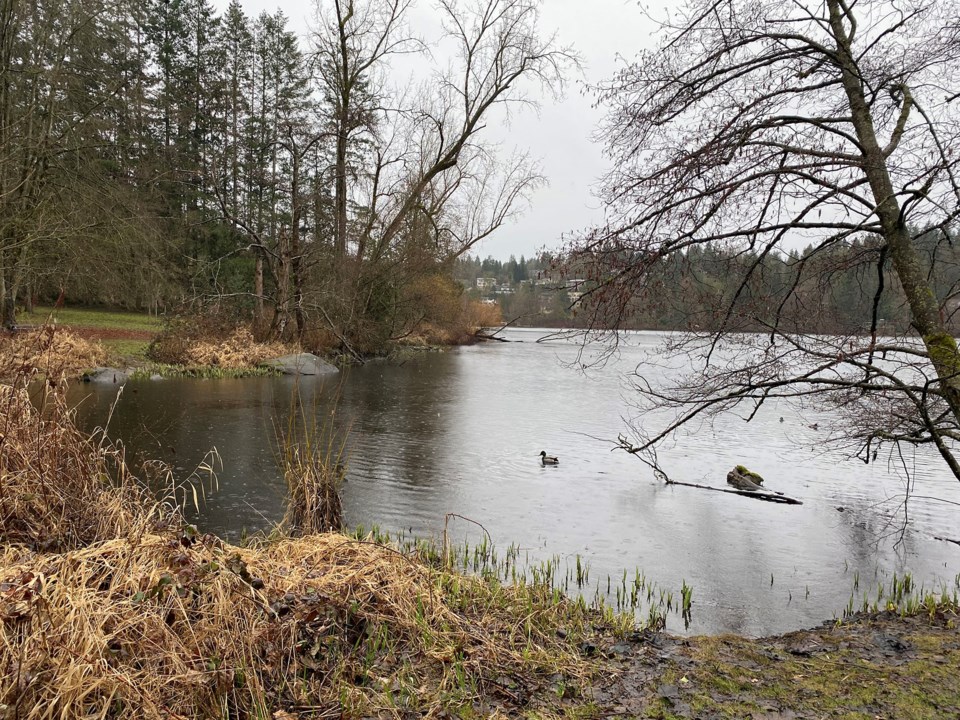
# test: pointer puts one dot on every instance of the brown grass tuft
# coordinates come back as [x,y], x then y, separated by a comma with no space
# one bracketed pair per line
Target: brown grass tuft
[58,487]
[49,350]
[313,460]
[147,626]
[196,345]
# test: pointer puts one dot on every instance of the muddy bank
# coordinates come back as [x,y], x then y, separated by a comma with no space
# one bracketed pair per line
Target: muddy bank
[875,666]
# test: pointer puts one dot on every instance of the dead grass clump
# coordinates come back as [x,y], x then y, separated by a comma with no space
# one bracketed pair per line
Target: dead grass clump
[58,487]
[312,455]
[325,626]
[314,476]
[200,345]
[49,350]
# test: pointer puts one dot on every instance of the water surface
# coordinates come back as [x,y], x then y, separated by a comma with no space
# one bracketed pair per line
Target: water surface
[460,432]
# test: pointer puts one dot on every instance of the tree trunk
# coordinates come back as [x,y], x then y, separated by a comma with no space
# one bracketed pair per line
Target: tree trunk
[258,284]
[281,308]
[340,192]
[924,309]
[9,299]
[296,261]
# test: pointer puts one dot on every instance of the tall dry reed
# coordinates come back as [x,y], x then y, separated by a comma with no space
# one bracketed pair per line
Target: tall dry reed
[312,454]
[59,488]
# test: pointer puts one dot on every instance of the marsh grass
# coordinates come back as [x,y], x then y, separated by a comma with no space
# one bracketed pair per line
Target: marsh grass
[312,455]
[62,489]
[619,608]
[203,372]
[902,596]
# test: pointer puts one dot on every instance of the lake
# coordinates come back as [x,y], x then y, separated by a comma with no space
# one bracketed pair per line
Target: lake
[460,432]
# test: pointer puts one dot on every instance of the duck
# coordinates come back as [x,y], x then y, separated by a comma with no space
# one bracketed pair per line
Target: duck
[548,459]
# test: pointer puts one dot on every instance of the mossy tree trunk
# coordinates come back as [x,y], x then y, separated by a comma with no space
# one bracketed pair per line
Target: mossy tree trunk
[924,308]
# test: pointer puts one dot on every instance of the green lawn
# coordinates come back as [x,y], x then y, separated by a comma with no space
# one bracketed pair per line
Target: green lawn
[125,335]
[93,318]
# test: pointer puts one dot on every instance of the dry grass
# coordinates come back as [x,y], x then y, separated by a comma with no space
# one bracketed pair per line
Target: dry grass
[324,626]
[49,350]
[183,344]
[58,487]
[313,459]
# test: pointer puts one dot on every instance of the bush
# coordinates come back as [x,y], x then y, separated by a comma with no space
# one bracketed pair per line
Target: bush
[209,342]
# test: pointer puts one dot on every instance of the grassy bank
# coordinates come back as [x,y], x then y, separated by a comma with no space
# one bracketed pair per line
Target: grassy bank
[89,337]
[881,665]
[209,346]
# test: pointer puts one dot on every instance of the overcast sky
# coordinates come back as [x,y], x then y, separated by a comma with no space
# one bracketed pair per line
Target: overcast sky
[560,136]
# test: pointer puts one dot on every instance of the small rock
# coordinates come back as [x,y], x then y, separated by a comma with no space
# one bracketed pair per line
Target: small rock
[669,692]
[588,649]
[621,650]
[279,609]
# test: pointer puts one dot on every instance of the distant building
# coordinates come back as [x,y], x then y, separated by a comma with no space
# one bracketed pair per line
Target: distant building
[486,283]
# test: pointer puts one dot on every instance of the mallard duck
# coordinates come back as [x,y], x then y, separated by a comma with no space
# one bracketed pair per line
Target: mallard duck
[548,459]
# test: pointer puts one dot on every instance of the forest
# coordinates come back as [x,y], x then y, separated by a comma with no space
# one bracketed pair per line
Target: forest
[841,289]
[162,156]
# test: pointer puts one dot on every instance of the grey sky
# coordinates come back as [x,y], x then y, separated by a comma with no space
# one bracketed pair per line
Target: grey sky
[603,32]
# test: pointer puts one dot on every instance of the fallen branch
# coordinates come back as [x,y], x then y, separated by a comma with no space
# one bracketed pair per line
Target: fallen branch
[946,539]
[493,335]
[480,336]
[757,494]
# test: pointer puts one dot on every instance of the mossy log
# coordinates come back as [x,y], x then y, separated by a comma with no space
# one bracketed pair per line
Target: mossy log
[745,483]
[744,479]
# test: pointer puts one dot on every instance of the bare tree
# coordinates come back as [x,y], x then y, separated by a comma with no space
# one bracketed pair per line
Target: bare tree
[409,158]
[759,127]
[351,46]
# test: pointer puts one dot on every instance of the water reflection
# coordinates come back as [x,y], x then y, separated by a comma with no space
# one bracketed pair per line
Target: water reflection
[460,432]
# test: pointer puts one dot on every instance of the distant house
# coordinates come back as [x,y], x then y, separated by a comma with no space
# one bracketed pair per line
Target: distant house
[486,283]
